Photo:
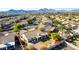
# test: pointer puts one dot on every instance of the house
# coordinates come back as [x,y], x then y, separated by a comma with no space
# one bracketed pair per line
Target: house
[31,35]
[7,41]
[49,27]
[38,39]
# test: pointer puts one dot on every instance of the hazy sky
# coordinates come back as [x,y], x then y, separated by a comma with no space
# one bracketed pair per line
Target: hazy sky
[37,4]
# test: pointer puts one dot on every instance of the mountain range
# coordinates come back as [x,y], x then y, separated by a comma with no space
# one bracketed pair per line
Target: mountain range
[45,10]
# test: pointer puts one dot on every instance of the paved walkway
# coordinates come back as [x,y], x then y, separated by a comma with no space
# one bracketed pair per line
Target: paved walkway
[68,48]
[72,46]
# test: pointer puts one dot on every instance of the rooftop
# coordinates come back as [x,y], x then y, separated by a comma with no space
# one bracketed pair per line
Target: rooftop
[33,33]
[7,38]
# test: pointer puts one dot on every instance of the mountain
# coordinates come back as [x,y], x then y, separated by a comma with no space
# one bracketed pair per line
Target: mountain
[44,10]
[12,11]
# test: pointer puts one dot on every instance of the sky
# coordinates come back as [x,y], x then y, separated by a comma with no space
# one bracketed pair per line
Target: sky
[37,4]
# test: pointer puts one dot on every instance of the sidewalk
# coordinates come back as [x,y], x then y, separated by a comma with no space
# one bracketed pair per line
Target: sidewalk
[71,45]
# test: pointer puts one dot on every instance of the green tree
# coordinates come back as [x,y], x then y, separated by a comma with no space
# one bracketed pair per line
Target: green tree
[16,29]
[30,21]
[61,28]
[68,29]
[17,25]
[34,19]
[1,29]
[17,21]
[55,36]
[55,22]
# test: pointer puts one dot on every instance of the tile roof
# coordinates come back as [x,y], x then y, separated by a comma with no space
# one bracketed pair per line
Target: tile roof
[6,39]
[32,34]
